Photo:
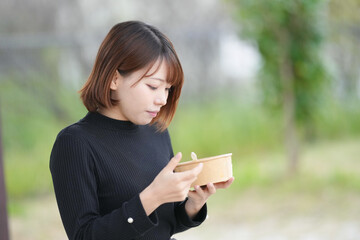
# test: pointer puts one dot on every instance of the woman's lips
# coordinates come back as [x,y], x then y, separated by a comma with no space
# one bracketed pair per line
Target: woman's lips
[152,114]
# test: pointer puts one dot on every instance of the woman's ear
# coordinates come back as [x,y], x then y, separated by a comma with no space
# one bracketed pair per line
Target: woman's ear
[115,81]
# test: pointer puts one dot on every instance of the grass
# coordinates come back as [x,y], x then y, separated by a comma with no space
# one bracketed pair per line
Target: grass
[327,165]
[224,126]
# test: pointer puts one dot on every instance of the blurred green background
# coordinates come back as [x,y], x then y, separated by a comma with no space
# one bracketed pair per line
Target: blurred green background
[259,75]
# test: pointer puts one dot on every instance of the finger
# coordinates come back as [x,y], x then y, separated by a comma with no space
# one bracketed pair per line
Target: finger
[199,190]
[225,184]
[193,194]
[211,188]
[196,170]
[190,175]
[174,162]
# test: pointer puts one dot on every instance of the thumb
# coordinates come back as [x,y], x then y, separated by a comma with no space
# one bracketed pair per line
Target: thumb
[174,161]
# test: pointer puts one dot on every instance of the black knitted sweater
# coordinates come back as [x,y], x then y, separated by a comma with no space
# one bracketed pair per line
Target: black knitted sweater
[99,166]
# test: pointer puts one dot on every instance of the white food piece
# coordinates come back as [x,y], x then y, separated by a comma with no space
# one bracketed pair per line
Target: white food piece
[193,156]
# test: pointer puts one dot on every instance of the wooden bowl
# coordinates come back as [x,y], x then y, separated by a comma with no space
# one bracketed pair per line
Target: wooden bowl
[215,169]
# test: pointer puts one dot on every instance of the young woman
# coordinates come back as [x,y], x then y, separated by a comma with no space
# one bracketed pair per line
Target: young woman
[113,170]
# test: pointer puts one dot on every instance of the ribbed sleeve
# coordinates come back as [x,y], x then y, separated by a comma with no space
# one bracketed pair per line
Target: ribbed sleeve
[184,222]
[74,180]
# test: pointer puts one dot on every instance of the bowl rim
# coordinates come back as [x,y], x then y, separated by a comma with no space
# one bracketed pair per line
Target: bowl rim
[203,160]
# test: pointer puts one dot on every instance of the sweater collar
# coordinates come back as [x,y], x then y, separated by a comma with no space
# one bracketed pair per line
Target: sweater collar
[103,121]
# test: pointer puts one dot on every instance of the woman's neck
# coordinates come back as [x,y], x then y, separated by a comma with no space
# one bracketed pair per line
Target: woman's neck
[112,113]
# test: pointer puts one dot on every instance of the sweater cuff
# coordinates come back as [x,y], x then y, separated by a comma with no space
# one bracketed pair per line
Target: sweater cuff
[186,220]
[135,215]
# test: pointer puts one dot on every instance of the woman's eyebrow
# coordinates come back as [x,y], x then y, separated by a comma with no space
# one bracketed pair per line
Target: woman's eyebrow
[160,79]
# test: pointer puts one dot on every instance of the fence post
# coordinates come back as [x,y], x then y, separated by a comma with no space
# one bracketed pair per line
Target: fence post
[4,231]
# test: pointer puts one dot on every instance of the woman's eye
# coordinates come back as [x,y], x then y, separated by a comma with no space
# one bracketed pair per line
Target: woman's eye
[167,89]
[152,88]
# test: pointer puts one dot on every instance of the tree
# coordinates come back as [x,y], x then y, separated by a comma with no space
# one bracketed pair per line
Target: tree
[344,37]
[4,231]
[289,37]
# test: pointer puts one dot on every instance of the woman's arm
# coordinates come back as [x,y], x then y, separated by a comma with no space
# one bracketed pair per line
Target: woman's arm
[182,219]
[174,187]
[168,186]
[74,178]
[199,196]
[193,211]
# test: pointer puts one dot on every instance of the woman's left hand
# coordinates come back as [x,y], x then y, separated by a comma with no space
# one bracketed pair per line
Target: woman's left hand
[198,197]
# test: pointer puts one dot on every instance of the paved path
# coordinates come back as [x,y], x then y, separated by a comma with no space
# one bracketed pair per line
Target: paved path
[299,228]
[250,217]
[254,216]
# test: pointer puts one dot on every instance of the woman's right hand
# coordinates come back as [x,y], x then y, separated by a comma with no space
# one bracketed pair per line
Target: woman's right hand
[168,186]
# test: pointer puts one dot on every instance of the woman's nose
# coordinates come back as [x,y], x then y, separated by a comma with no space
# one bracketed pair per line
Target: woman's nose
[161,99]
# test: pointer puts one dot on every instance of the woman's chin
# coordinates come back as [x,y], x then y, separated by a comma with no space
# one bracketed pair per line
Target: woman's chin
[142,121]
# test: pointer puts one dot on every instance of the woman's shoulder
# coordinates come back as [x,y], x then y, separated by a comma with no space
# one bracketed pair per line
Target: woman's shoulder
[70,148]
[76,131]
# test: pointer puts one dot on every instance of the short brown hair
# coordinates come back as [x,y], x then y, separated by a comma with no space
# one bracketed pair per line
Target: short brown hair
[128,47]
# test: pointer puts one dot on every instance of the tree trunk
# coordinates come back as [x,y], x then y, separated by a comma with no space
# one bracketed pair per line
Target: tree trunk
[291,139]
[4,233]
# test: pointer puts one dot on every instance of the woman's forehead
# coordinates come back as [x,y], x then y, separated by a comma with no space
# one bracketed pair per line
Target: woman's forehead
[158,70]
[165,68]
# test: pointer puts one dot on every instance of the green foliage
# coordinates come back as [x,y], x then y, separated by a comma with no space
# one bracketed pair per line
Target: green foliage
[29,129]
[336,119]
[225,125]
[287,32]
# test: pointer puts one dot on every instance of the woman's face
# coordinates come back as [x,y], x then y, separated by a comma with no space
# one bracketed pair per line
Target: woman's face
[140,101]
